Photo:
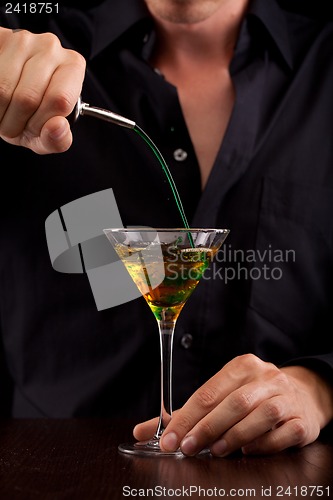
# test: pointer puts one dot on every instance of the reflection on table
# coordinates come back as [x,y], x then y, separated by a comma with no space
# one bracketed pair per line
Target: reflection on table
[78,458]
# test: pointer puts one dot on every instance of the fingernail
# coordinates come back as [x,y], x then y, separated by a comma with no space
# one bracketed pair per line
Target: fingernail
[170,441]
[189,445]
[249,448]
[219,448]
[135,429]
[58,133]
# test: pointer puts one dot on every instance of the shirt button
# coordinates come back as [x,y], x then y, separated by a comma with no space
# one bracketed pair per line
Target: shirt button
[186,341]
[179,154]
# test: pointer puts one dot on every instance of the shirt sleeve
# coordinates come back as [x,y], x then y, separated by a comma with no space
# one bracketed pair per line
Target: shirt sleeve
[322,364]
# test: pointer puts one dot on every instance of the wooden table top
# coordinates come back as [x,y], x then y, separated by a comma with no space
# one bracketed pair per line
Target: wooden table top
[78,459]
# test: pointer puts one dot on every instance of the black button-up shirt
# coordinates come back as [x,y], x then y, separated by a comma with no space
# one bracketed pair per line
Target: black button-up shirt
[270,290]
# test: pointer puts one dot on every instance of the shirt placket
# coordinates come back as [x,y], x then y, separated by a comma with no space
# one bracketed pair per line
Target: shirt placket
[238,144]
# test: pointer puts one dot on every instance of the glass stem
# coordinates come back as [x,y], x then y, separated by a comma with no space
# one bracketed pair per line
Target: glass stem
[166,330]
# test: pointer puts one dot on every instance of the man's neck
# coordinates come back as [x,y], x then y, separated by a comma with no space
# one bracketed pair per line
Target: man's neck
[203,43]
[195,58]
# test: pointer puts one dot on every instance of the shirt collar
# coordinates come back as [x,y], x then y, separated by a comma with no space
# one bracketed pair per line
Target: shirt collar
[272,19]
[113,17]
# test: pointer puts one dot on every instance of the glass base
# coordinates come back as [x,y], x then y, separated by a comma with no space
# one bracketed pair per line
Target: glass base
[149,448]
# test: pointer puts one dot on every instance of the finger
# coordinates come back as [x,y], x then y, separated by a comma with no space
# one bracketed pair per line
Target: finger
[203,401]
[243,416]
[10,73]
[231,378]
[62,92]
[263,418]
[27,96]
[291,433]
[44,82]
[56,137]
[145,430]
[42,93]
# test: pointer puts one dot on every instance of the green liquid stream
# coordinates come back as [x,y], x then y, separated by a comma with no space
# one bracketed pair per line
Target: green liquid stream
[168,175]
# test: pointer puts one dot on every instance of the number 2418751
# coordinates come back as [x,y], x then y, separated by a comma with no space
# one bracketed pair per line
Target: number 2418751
[32,8]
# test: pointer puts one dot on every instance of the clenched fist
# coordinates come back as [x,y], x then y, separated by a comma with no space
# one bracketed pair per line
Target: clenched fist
[40,82]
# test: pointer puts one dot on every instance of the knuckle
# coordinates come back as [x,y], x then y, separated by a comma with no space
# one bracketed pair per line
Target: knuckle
[49,46]
[49,41]
[27,100]
[207,429]
[22,33]
[236,435]
[62,104]
[273,411]
[254,365]
[250,361]
[185,423]
[207,397]
[241,402]
[77,59]
[23,40]
[282,380]
[4,32]
[5,92]
[299,431]
[22,36]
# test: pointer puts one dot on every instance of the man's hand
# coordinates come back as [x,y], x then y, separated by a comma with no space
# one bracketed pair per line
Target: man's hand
[250,405]
[40,83]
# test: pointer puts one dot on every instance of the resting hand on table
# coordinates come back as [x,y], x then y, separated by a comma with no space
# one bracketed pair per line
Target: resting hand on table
[252,405]
[40,82]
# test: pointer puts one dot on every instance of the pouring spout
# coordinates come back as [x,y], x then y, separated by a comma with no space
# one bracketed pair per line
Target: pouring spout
[84,109]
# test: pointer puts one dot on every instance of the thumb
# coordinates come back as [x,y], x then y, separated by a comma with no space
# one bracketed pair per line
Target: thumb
[55,137]
[145,430]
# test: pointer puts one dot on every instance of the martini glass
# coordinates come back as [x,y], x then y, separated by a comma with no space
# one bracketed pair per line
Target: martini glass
[166,265]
